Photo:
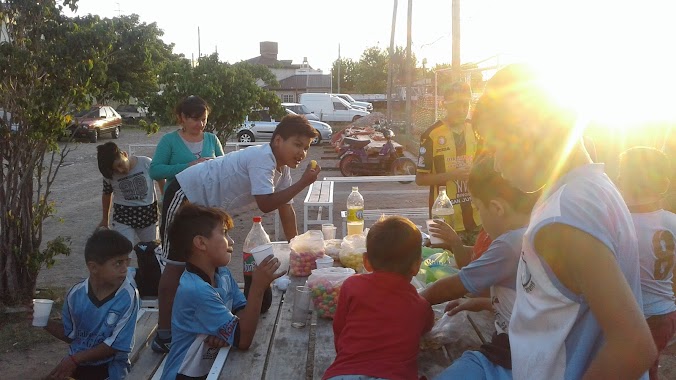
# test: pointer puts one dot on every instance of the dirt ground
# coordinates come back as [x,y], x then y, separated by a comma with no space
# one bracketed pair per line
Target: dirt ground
[25,354]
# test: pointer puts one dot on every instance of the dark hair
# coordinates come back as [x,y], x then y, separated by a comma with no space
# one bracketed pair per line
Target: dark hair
[294,125]
[486,184]
[192,106]
[106,154]
[105,244]
[645,169]
[393,244]
[193,220]
[460,90]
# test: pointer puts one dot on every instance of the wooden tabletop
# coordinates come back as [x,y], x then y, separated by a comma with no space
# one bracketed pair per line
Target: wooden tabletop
[373,178]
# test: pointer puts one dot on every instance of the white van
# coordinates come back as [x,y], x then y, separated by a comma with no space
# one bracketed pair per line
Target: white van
[331,108]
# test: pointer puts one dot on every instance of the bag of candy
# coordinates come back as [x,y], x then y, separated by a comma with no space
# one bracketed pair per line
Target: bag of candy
[325,287]
[332,248]
[305,249]
[352,250]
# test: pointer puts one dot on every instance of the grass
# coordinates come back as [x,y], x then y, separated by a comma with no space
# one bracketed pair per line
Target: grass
[16,332]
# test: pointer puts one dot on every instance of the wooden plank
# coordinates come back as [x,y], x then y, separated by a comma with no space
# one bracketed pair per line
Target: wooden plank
[146,325]
[146,365]
[158,373]
[250,364]
[373,178]
[219,362]
[324,348]
[287,358]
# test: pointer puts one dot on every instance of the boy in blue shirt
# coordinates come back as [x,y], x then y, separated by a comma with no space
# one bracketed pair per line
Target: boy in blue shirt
[209,309]
[99,314]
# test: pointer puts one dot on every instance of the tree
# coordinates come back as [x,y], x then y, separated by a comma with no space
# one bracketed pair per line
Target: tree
[134,55]
[231,91]
[371,71]
[347,75]
[46,69]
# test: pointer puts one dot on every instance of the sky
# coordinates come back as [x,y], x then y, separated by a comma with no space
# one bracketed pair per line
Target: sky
[597,42]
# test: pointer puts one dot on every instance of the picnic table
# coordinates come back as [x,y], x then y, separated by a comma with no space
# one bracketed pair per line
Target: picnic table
[373,178]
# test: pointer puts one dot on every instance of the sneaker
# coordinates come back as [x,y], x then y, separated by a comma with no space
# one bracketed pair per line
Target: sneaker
[161,346]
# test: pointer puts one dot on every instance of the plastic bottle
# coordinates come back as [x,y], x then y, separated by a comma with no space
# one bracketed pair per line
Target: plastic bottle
[355,212]
[443,208]
[256,237]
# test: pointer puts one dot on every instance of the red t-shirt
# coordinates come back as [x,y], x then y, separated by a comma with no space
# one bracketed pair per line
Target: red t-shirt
[483,241]
[377,327]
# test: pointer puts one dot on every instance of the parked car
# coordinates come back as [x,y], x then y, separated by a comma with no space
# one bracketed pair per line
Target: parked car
[300,110]
[98,119]
[259,126]
[355,103]
[331,108]
[131,111]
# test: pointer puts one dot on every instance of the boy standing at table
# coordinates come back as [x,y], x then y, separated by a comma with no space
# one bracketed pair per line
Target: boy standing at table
[380,316]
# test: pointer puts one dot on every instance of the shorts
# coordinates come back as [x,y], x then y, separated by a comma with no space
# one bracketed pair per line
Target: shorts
[174,198]
[143,234]
[662,328]
[474,365]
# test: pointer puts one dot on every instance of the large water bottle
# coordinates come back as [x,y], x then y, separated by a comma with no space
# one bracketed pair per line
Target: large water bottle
[256,237]
[355,212]
[443,208]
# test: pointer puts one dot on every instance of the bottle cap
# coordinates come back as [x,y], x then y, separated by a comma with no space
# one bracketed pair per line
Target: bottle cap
[355,188]
[442,188]
[257,219]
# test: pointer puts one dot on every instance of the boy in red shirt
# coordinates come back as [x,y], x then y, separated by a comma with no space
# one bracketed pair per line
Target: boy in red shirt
[380,316]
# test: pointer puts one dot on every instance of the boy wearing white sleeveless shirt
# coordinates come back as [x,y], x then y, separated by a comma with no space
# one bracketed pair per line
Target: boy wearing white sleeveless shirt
[643,180]
[577,312]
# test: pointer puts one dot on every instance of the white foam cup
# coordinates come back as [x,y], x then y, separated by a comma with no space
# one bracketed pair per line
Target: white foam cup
[41,310]
[433,239]
[324,262]
[329,231]
[261,252]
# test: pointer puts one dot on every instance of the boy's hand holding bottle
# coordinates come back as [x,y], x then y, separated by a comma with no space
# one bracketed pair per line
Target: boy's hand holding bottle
[264,273]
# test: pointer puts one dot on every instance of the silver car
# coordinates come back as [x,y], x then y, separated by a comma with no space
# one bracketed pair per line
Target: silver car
[264,126]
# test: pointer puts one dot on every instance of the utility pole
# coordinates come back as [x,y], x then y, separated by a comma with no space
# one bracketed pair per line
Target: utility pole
[455,31]
[409,66]
[339,64]
[389,65]
[199,44]
[119,11]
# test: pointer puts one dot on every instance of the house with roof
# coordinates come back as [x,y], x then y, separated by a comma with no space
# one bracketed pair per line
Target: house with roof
[294,79]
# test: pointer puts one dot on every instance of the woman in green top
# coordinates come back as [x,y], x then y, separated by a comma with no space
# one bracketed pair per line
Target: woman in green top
[187,146]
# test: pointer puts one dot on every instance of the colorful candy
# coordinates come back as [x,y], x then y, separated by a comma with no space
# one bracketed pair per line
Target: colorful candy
[353,259]
[302,263]
[313,164]
[325,286]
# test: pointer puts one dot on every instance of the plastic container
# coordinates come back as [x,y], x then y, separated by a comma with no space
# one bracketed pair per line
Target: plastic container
[443,208]
[324,262]
[41,310]
[355,212]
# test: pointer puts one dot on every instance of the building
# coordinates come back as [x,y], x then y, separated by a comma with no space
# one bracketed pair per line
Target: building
[294,79]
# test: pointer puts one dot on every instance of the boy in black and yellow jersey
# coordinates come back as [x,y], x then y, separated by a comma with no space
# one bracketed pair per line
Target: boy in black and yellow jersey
[447,150]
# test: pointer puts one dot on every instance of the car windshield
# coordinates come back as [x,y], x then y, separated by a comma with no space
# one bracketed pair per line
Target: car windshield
[348,98]
[88,113]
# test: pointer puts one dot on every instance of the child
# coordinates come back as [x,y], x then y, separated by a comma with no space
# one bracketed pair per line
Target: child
[258,175]
[380,316]
[210,311]
[577,312]
[504,211]
[128,186]
[99,314]
[188,145]
[643,180]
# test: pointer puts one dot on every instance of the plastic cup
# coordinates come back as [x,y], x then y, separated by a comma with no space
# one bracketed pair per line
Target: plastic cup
[281,250]
[41,310]
[355,228]
[261,252]
[324,262]
[433,239]
[329,231]
[301,306]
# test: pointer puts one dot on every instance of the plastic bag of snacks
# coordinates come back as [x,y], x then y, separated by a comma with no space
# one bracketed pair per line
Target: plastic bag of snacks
[305,249]
[325,287]
[438,266]
[332,248]
[352,251]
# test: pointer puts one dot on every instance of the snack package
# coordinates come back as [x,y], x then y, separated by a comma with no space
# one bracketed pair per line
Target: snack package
[332,248]
[305,249]
[457,334]
[352,252]
[325,286]
[437,266]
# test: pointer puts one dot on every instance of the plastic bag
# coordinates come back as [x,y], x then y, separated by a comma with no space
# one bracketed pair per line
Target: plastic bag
[457,333]
[305,249]
[437,266]
[325,285]
[352,252]
[332,248]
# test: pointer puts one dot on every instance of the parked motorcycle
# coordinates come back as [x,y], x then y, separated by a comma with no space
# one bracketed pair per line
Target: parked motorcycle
[355,160]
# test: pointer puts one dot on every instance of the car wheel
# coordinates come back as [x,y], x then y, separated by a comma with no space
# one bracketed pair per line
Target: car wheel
[245,137]
[94,136]
[347,164]
[116,132]
[357,117]
[317,139]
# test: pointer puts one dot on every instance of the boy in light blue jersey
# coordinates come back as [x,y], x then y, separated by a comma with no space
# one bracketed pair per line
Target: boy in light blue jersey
[99,314]
[577,312]
[643,180]
[504,211]
[210,311]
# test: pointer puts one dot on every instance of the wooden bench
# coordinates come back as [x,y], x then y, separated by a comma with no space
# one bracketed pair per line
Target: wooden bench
[411,213]
[319,195]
